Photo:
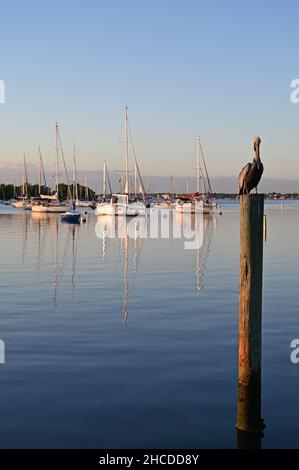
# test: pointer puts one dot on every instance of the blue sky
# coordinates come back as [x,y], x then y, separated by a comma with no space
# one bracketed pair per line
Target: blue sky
[221,70]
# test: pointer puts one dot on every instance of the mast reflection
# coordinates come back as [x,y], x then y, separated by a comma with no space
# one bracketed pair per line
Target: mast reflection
[127,237]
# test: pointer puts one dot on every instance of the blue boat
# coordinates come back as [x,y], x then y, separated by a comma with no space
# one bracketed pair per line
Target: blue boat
[71,215]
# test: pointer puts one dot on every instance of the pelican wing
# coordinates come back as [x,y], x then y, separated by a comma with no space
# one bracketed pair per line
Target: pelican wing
[242,177]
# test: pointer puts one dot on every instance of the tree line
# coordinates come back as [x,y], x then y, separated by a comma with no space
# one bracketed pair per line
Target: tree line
[10,191]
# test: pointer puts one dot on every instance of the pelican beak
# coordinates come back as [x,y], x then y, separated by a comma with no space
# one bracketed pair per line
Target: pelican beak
[257,150]
[256,146]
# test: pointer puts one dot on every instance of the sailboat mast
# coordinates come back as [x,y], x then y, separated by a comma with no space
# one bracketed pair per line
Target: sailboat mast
[197,166]
[63,161]
[40,172]
[25,187]
[126,151]
[86,189]
[75,182]
[206,171]
[74,175]
[57,159]
[104,180]
[139,180]
[135,179]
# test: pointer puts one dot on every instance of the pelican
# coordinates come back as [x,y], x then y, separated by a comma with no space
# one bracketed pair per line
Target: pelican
[251,174]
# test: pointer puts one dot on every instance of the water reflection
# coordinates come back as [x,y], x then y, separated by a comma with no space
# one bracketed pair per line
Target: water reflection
[129,235]
[247,440]
[202,253]
[122,237]
[63,240]
[24,231]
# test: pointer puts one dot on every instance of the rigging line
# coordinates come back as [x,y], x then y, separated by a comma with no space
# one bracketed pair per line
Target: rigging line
[60,269]
[42,166]
[192,161]
[205,167]
[135,158]
[108,179]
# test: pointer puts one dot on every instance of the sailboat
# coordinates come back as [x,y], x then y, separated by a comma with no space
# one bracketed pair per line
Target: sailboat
[72,215]
[51,203]
[202,201]
[102,201]
[23,202]
[138,204]
[85,202]
[120,203]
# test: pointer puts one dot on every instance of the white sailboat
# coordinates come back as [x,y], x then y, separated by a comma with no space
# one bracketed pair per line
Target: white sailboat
[138,205]
[51,203]
[202,201]
[120,203]
[103,204]
[72,215]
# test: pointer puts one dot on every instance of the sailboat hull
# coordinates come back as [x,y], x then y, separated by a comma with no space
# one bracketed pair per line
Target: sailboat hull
[191,208]
[112,209]
[21,205]
[71,217]
[49,209]
[127,210]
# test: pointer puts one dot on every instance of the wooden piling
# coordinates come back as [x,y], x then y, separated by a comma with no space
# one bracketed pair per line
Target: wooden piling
[265,228]
[250,314]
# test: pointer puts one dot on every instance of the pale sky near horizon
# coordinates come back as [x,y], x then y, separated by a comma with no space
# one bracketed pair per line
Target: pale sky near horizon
[218,69]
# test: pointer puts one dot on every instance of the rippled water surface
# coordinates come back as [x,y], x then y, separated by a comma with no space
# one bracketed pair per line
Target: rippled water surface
[133,343]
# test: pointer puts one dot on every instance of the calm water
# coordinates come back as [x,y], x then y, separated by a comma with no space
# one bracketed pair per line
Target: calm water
[133,343]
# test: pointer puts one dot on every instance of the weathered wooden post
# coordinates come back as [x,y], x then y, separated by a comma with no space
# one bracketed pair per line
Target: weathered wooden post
[250,314]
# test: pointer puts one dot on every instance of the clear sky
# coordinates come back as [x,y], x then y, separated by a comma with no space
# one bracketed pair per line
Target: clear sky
[218,69]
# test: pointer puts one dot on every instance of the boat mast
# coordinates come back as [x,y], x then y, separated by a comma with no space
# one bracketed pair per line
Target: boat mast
[206,171]
[75,182]
[40,172]
[104,180]
[57,159]
[135,179]
[127,151]
[58,137]
[197,166]
[139,180]
[86,189]
[25,186]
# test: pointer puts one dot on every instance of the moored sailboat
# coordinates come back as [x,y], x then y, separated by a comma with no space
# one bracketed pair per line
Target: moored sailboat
[121,203]
[22,202]
[202,201]
[52,203]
